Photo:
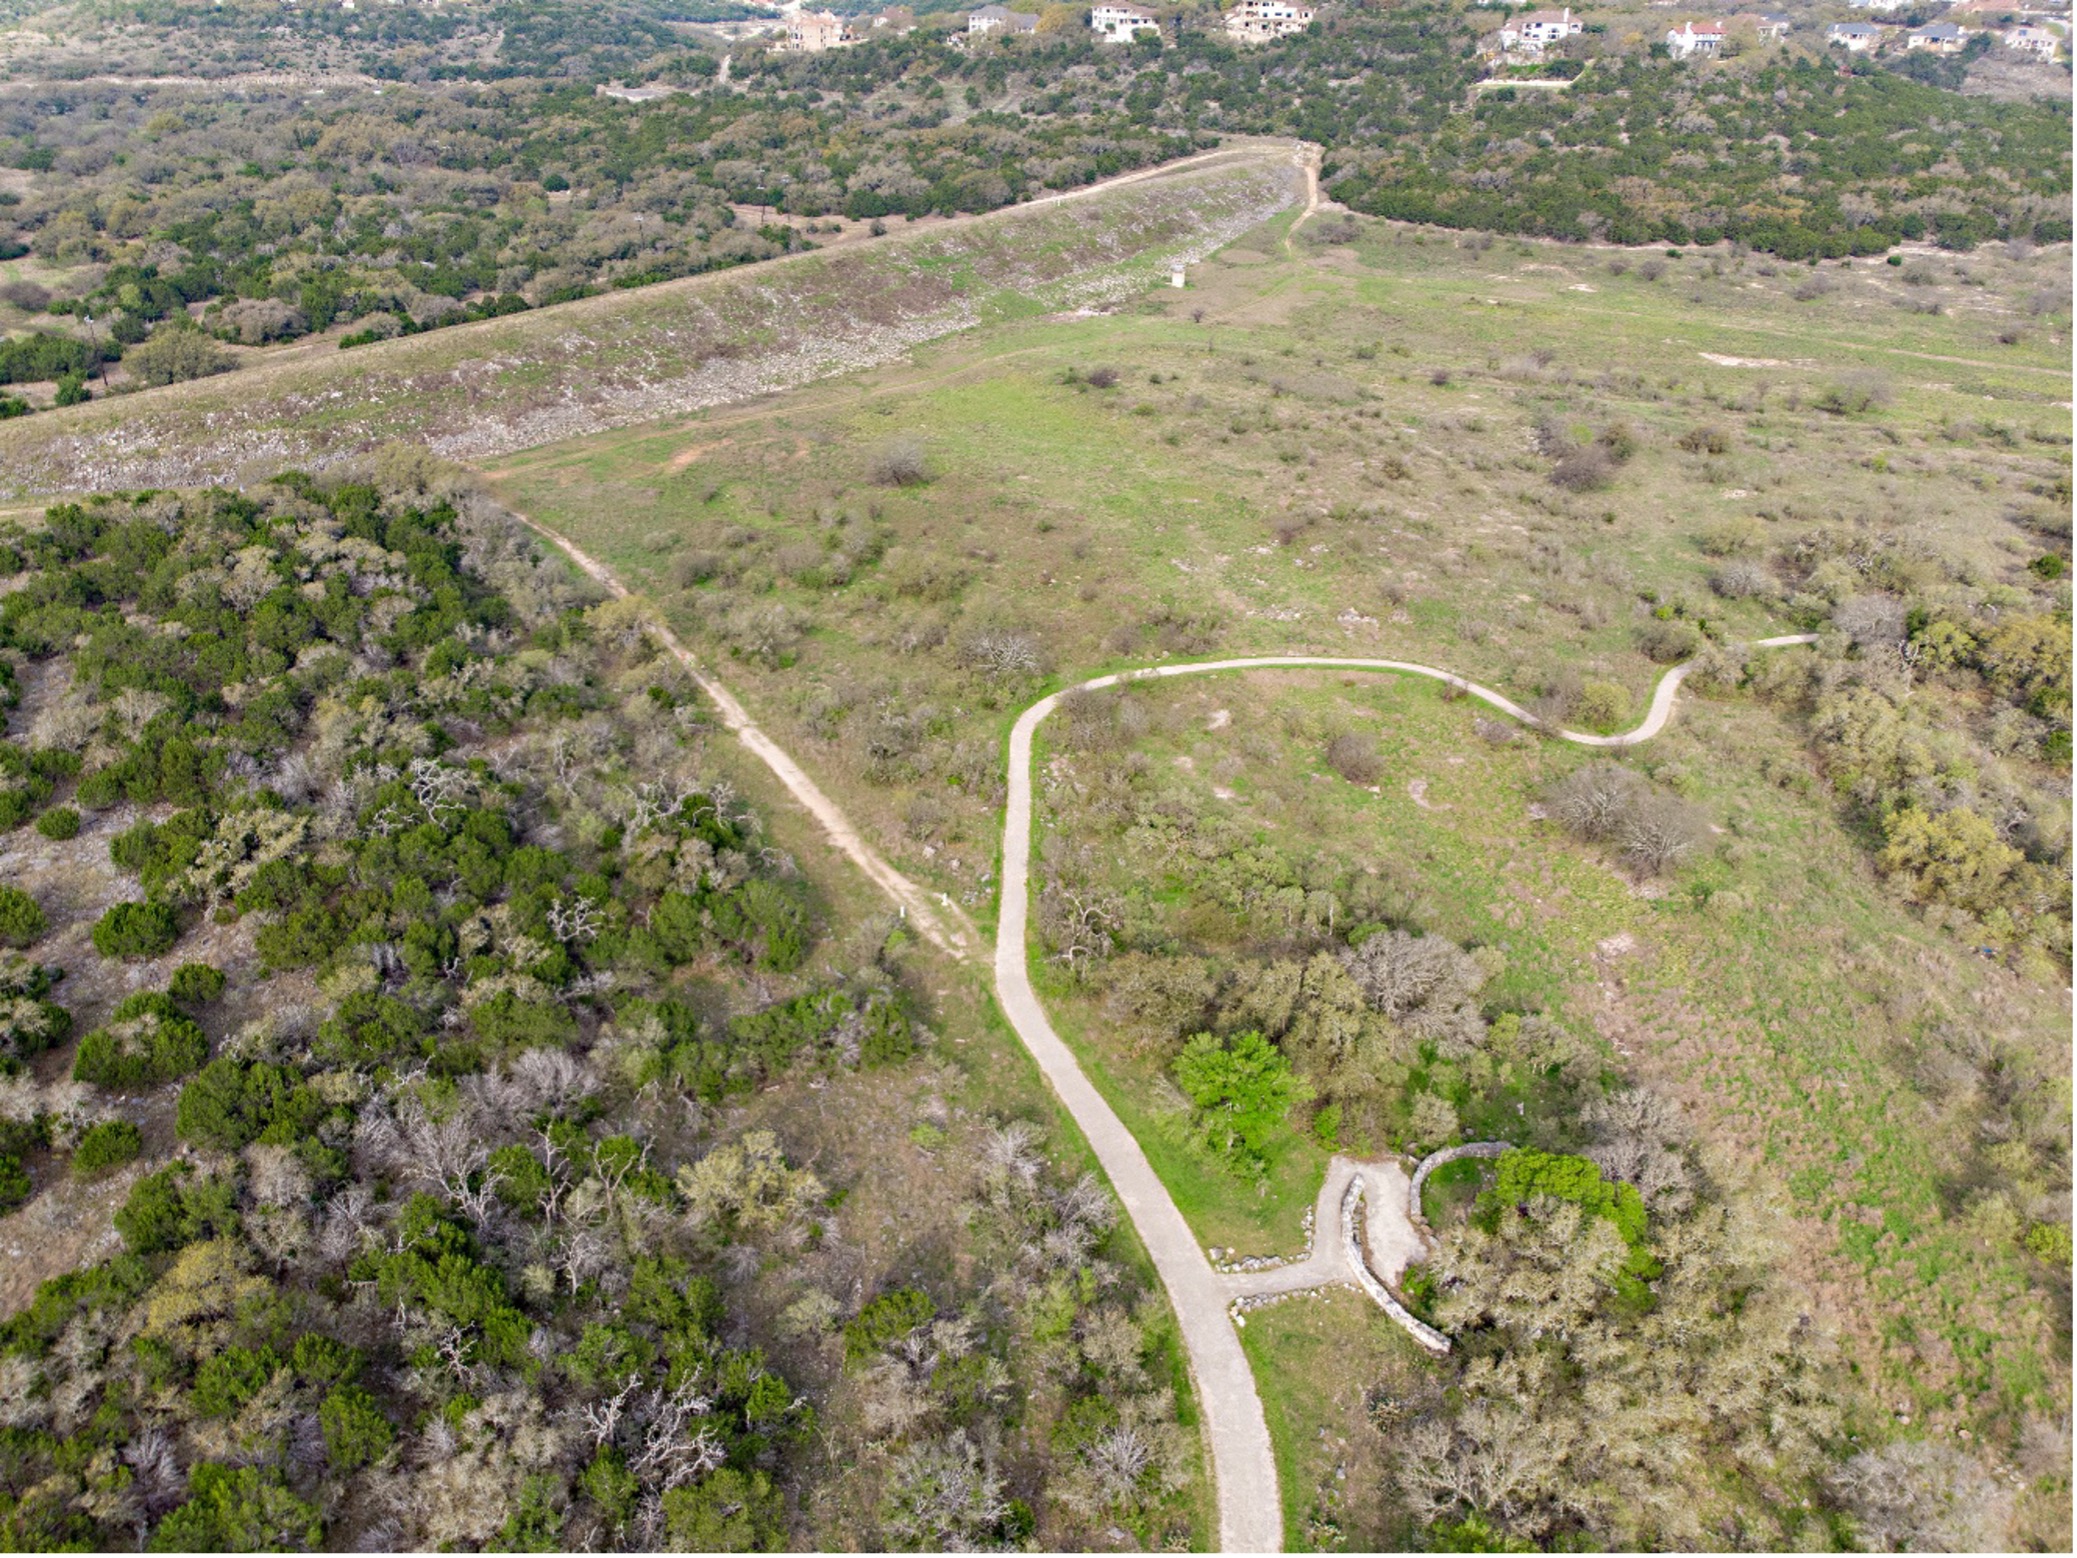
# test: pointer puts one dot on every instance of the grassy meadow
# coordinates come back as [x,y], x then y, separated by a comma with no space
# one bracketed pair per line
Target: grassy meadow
[1338,442]
[1339,457]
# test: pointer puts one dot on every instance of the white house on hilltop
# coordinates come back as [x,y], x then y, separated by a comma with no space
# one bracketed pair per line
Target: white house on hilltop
[1941,38]
[1695,38]
[1539,29]
[1854,37]
[2032,40]
[1550,26]
[1115,23]
[1258,21]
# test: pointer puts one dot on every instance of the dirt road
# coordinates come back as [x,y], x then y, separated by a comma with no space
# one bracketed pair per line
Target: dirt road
[940,923]
[1307,156]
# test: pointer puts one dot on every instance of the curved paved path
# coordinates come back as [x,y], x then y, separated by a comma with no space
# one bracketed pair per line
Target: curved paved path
[1243,1462]
[1395,1243]
[1251,1518]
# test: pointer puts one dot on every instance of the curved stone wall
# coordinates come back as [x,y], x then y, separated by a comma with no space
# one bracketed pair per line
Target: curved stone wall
[1435,1160]
[1352,1244]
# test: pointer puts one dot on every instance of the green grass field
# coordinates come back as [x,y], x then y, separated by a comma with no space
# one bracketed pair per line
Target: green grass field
[1319,1362]
[1332,449]
[1296,482]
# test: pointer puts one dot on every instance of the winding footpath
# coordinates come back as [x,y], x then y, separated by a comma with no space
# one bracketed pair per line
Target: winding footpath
[1243,1460]
[1307,156]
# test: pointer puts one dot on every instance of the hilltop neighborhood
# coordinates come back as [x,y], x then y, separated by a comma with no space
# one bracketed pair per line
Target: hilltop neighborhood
[2035,29]
[1112,21]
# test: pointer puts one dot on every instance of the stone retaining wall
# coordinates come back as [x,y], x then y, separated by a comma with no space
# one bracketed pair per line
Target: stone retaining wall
[1352,1245]
[1228,1263]
[1435,1160]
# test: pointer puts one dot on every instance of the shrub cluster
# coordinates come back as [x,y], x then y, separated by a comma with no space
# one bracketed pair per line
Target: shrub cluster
[1608,803]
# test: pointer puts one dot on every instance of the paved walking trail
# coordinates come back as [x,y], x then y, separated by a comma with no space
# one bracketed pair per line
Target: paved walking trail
[1243,1462]
[1395,1243]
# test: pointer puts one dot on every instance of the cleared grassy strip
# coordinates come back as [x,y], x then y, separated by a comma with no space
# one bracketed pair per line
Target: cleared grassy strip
[476,391]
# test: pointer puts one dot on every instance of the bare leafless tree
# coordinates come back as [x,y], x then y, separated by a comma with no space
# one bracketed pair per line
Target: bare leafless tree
[1592,802]
[438,788]
[1081,921]
[1871,621]
[1920,1496]
[1660,831]
[944,1494]
[1608,803]
[655,801]
[676,1446]
[574,920]
[901,463]
[1427,984]
[1355,757]
[1002,652]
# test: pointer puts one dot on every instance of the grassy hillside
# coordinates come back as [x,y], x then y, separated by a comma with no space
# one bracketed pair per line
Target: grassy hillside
[1541,466]
[478,391]
[1341,451]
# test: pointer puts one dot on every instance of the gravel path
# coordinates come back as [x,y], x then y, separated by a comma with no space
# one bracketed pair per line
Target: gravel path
[940,923]
[1395,1243]
[1243,1465]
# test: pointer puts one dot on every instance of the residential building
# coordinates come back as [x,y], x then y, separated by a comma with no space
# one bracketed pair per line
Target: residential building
[2042,41]
[1940,37]
[1878,5]
[999,18]
[1532,33]
[1117,23]
[810,32]
[1257,21]
[1769,25]
[1547,27]
[1854,37]
[1695,38]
